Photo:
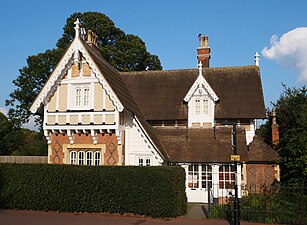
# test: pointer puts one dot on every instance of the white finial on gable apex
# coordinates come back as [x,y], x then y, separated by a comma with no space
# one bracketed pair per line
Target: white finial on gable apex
[77,28]
[200,68]
[257,59]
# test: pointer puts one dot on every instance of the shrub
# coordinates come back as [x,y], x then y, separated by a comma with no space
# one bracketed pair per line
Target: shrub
[150,191]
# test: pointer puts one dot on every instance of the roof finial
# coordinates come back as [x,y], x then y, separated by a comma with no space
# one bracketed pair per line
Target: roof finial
[77,28]
[200,68]
[257,58]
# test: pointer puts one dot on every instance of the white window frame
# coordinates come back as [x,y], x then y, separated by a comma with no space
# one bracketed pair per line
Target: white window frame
[141,161]
[97,156]
[89,158]
[82,96]
[81,159]
[73,157]
[147,162]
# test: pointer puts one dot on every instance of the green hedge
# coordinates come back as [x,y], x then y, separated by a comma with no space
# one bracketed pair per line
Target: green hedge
[151,191]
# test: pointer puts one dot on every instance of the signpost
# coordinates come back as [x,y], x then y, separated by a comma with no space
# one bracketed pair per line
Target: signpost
[235,158]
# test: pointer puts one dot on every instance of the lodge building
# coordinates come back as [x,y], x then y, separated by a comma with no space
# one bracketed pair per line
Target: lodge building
[95,115]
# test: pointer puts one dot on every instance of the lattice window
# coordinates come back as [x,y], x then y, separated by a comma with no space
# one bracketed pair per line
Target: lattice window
[206,176]
[78,97]
[197,106]
[227,176]
[205,106]
[193,176]
[86,96]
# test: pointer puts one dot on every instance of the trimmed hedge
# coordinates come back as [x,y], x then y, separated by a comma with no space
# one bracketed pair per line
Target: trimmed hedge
[152,191]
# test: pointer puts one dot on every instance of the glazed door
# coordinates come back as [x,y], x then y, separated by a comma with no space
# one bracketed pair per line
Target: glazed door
[199,183]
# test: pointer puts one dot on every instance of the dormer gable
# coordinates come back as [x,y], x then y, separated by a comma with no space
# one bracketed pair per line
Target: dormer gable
[201,101]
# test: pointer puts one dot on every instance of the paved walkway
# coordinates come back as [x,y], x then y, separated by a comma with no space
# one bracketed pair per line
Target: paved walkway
[18,217]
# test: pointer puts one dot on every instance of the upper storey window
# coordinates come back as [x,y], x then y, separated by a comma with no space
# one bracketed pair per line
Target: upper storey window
[201,106]
[201,109]
[81,97]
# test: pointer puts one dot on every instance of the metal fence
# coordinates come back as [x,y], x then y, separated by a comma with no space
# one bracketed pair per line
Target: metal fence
[23,159]
[273,204]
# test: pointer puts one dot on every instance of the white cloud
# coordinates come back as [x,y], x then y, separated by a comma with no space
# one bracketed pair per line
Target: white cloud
[290,50]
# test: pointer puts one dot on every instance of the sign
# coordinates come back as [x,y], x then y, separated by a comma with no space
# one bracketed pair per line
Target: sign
[235,157]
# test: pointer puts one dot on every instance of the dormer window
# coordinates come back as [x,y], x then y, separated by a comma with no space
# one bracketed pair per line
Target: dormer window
[197,106]
[205,106]
[201,109]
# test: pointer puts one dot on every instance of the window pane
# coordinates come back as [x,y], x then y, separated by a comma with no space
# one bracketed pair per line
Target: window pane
[147,162]
[73,156]
[97,159]
[89,158]
[197,106]
[205,106]
[141,162]
[81,158]
[78,97]
[86,96]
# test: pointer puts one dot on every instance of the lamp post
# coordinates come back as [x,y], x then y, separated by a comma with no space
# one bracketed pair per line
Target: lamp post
[235,158]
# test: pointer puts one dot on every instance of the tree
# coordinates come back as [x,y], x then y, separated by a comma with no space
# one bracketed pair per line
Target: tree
[19,141]
[291,116]
[126,52]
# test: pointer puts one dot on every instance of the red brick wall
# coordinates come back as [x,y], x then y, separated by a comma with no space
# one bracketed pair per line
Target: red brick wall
[111,155]
[258,175]
[204,59]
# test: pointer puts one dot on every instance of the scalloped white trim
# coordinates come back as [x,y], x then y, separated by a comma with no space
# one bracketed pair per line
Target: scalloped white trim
[58,73]
[200,82]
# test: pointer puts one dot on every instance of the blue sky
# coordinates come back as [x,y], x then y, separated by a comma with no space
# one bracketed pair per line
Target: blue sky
[236,30]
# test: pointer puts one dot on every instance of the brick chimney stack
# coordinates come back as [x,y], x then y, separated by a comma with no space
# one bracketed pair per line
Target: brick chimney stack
[275,130]
[203,51]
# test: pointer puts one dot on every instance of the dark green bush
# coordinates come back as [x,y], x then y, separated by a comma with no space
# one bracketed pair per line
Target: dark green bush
[150,191]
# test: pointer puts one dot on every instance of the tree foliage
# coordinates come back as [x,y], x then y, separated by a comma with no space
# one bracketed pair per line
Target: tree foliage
[126,52]
[291,116]
[19,141]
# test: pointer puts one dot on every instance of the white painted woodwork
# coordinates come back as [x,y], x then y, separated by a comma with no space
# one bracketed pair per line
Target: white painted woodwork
[137,144]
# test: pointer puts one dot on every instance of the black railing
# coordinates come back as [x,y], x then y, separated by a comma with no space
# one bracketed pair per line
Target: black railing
[268,204]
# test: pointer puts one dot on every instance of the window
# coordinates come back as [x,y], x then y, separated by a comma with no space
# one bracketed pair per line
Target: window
[227,177]
[197,106]
[89,158]
[73,157]
[97,158]
[84,156]
[206,176]
[81,158]
[82,97]
[141,162]
[205,106]
[193,176]
[86,96]
[147,162]
[78,96]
